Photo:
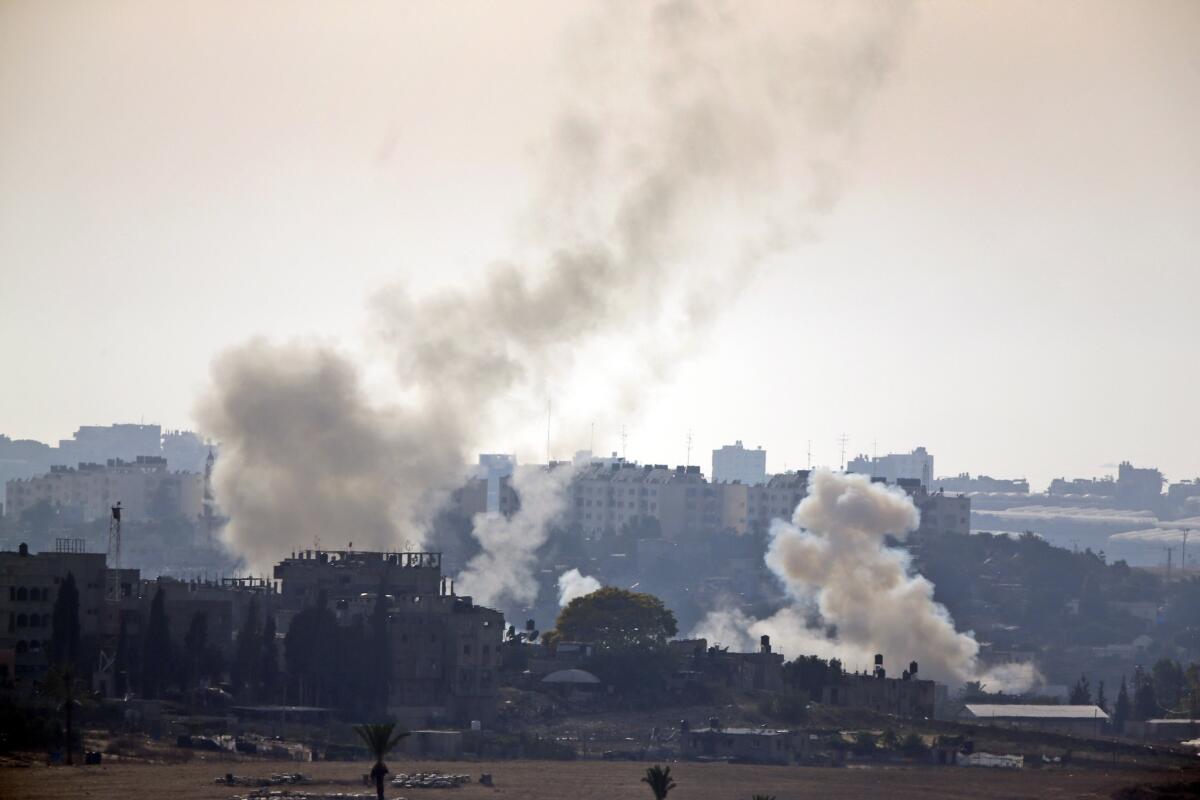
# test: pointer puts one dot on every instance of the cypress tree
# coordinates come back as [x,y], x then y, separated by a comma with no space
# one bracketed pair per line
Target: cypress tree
[268,667]
[157,660]
[64,641]
[1121,709]
[243,673]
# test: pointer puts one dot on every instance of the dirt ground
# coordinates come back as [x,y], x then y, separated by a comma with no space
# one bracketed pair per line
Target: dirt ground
[579,780]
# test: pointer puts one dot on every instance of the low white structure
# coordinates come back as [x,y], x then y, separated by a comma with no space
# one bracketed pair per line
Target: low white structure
[1081,719]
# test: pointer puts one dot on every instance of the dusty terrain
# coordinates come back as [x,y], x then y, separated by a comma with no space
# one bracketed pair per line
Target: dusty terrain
[580,780]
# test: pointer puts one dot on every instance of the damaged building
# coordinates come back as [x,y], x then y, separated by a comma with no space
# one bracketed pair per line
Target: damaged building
[445,650]
[906,696]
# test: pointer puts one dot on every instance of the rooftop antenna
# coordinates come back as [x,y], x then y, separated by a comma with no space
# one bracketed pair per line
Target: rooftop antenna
[624,441]
[688,460]
[810,453]
[874,449]
[842,441]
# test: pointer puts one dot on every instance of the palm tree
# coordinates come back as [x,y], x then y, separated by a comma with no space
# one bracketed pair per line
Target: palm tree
[380,738]
[659,780]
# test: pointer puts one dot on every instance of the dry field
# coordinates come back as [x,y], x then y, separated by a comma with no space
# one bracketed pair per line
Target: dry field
[580,780]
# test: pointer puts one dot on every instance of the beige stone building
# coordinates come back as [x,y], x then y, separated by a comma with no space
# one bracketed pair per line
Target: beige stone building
[144,487]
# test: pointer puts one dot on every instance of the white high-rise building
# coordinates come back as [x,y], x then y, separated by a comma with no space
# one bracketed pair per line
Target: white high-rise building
[493,467]
[733,462]
[916,465]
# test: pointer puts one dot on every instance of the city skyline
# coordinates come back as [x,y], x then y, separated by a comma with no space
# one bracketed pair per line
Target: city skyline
[1044,271]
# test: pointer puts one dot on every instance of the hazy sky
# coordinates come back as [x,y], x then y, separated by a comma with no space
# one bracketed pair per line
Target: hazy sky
[1011,278]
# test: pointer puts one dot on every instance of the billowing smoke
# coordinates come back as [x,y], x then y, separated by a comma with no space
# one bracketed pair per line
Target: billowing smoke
[853,596]
[502,573]
[573,583]
[696,141]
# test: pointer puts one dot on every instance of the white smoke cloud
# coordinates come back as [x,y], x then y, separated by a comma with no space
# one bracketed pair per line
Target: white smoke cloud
[502,572]
[832,559]
[573,584]
[688,128]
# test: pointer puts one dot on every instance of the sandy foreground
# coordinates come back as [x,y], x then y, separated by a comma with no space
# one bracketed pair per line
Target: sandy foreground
[580,780]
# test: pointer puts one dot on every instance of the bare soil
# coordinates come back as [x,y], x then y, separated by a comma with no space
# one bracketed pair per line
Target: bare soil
[579,780]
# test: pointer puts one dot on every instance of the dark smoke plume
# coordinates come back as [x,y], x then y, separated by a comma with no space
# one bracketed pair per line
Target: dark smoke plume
[692,134]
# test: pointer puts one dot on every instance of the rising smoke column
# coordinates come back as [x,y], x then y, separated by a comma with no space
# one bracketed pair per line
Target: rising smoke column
[854,596]
[502,573]
[682,120]
[573,584]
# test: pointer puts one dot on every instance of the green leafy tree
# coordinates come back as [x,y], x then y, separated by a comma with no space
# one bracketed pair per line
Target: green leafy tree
[659,780]
[380,738]
[64,620]
[156,661]
[615,619]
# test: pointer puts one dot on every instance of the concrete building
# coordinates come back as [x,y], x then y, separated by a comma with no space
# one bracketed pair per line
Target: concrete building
[917,465]
[964,483]
[99,443]
[906,696]
[744,672]
[1085,720]
[605,498]
[754,745]
[1138,487]
[144,487]
[943,513]
[445,649]
[492,469]
[733,462]
[29,585]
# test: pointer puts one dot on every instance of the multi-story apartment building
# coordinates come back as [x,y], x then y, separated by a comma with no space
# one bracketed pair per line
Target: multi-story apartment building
[445,649]
[145,488]
[29,585]
[733,462]
[893,467]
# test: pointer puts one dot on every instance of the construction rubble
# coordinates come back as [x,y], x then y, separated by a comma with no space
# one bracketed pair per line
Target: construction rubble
[274,779]
[429,780]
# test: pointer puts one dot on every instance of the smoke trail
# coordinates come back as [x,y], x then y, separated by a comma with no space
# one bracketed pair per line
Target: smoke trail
[502,573]
[692,133]
[573,583]
[834,562]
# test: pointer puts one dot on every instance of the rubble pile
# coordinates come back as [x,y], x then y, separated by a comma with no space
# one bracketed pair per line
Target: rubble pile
[288,794]
[274,779]
[430,780]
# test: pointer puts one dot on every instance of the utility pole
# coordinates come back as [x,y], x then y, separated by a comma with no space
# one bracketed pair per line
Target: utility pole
[1168,549]
[1183,555]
